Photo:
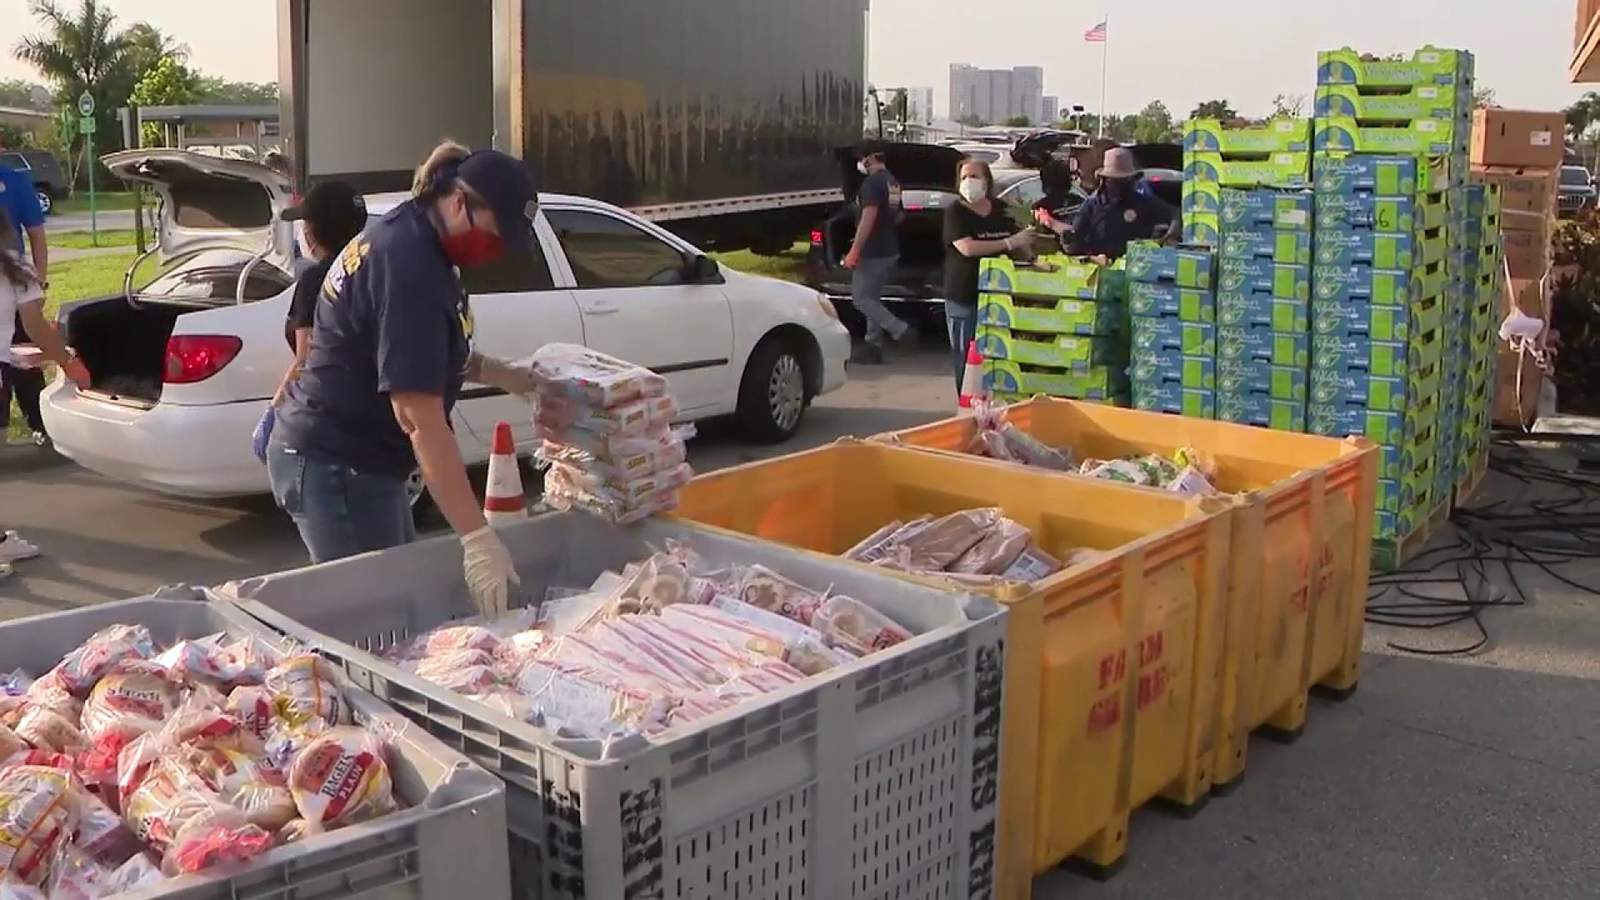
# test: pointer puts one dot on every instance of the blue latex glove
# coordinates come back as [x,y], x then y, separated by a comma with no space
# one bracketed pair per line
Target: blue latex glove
[263,434]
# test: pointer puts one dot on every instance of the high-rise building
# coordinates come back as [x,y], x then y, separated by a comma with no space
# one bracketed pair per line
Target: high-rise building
[919,103]
[995,95]
[1052,110]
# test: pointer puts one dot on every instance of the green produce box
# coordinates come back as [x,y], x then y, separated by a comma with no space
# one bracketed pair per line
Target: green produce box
[1061,277]
[1201,228]
[1098,383]
[1430,65]
[1415,492]
[1438,101]
[1201,196]
[1423,137]
[1188,304]
[1047,316]
[1396,429]
[1433,173]
[1185,266]
[1055,351]
[1276,135]
[1284,170]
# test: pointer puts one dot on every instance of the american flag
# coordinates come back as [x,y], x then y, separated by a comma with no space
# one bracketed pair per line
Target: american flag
[1096,35]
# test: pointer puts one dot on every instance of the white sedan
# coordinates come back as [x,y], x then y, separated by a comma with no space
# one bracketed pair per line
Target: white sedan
[183,367]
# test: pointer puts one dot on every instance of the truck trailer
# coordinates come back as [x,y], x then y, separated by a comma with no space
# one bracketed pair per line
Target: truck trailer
[715,118]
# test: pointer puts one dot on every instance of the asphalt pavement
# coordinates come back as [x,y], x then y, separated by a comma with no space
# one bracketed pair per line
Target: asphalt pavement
[1458,778]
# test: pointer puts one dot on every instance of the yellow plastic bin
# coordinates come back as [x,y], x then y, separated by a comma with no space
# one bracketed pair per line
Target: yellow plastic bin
[1112,666]
[1304,503]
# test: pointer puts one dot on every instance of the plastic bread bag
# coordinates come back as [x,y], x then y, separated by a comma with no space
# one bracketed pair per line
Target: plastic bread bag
[1195,458]
[208,832]
[993,445]
[74,876]
[1120,470]
[634,491]
[255,707]
[669,673]
[857,626]
[38,813]
[456,638]
[611,508]
[305,687]
[760,632]
[569,614]
[10,744]
[132,699]
[936,546]
[341,777]
[727,661]
[762,587]
[658,582]
[136,874]
[591,376]
[561,414]
[101,835]
[872,547]
[693,663]
[202,659]
[612,448]
[52,694]
[581,652]
[628,456]
[13,692]
[79,670]
[265,804]
[463,671]
[1032,565]
[47,729]
[1192,483]
[569,702]
[1026,448]
[995,551]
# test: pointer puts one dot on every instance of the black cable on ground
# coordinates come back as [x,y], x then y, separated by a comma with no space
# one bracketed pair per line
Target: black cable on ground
[1555,521]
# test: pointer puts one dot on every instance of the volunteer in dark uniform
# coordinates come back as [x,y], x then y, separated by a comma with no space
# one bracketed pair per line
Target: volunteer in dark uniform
[1053,210]
[1117,213]
[332,215]
[875,251]
[975,227]
[389,355]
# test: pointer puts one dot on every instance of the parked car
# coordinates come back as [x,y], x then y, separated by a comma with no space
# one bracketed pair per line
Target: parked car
[42,166]
[1576,191]
[927,176]
[184,366]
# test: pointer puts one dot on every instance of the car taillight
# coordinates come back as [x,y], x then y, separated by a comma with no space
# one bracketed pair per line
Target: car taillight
[816,237]
[196,357]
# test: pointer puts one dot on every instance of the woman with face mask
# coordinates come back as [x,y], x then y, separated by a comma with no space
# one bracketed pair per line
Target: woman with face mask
[389,354]
[976,227]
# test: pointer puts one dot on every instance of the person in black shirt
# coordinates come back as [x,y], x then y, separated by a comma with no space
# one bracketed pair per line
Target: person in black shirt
[332,215]
[975,227]
[1118,212]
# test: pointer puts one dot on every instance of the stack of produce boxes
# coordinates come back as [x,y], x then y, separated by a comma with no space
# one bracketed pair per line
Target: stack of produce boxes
[1216,156]
[1480,326]
[1264,309]
[1173,364]
[1390,141]
[1058,328]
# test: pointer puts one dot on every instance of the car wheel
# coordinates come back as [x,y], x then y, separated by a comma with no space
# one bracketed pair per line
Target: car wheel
[46,202]
[772,395]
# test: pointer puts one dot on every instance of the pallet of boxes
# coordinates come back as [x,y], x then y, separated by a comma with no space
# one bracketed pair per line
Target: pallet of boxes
[1255,178]
[1390,154]
[1520,152]
[1173,365]
[1057,327]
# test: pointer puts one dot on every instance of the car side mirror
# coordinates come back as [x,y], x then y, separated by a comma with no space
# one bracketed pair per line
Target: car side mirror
[702,269]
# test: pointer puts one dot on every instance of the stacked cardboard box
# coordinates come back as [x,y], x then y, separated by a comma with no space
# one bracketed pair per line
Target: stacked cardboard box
[1172,299]
[1520,153]
[1216,156]
[1059,328]
[1264,309]
[1479,325]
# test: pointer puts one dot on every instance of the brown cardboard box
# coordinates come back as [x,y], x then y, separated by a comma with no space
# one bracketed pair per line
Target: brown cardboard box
[1527,251]
[1522,189]
[1507,413]
[1512,137]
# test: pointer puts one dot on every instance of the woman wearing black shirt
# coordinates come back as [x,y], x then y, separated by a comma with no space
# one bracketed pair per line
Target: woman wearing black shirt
[975,227]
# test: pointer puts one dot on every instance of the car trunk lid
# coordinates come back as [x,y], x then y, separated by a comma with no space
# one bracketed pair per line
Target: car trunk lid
[210,203]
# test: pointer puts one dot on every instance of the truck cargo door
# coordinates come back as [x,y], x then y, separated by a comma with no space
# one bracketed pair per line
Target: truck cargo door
[516,309]
[634,292]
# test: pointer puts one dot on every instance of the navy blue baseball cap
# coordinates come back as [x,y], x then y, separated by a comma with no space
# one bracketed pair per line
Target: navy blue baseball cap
[507,185]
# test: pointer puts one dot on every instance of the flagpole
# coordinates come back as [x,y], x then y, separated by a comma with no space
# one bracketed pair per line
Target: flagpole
[1105,52]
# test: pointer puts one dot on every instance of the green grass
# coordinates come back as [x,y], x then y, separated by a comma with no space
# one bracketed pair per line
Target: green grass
[80,279]
[788,266]
[80,240]
[104,200]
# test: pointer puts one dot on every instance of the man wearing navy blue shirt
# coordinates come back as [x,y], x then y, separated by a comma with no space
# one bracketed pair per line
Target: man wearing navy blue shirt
[1118,212]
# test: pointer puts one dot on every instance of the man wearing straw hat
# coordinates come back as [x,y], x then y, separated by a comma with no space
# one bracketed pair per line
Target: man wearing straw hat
[1117,213]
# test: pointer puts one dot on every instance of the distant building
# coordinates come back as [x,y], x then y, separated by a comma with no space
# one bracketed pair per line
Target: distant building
[995,95]
[1052,110]
[919,101]
[32,121]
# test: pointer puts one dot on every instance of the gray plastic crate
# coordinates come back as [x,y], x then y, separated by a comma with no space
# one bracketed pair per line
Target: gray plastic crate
[447,844]
[877,780]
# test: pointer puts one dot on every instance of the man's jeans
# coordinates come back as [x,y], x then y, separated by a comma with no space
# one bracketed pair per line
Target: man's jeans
[339,511]
[866,292]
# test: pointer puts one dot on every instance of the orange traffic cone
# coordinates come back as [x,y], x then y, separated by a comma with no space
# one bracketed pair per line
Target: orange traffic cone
[972,386]
[504,500]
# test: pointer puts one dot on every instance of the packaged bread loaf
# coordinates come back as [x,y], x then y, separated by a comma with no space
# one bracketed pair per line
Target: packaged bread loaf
[340,778]
[38,812]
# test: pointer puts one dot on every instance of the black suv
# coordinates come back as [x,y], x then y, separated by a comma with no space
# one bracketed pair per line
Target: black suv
[45,170]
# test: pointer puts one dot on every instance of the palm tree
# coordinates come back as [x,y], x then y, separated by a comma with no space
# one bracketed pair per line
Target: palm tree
[78,52]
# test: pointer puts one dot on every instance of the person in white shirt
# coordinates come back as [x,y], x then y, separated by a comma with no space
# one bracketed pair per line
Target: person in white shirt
[22,294]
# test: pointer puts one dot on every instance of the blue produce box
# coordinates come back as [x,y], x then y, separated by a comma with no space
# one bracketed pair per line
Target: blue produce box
[1390,176]
[1276,382]
[1185,266]
[1272,245]
[1291,282]
[1261,411]
[1379,249]
[1154,337]
[1266,209]
[1263,310]
[1392,359]
[1188,304]
[1197,372]
[1379,426]
[1403,461]
[1377,392]
[1359,319]
[1171,397]
[1278,348]
[1363,283]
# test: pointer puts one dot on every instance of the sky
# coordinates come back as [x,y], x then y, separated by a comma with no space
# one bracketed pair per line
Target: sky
[1178,51]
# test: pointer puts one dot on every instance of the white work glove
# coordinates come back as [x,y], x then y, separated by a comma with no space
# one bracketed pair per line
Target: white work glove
[486,565]
[497,373]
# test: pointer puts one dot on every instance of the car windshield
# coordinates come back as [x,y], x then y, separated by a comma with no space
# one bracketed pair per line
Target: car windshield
[1575,176]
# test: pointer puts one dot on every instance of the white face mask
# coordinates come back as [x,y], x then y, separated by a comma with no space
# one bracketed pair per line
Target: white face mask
[973,189]
[861,166]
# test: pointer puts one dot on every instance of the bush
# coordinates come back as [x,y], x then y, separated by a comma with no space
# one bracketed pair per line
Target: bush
[1575,314]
